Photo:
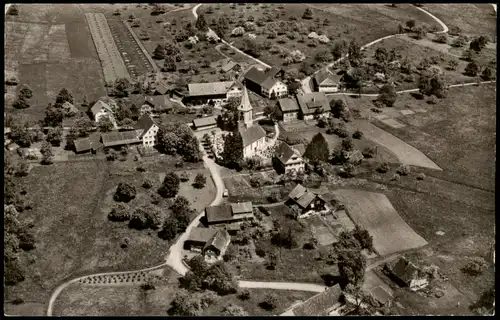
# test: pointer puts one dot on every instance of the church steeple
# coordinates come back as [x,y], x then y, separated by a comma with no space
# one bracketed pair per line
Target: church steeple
[245,108]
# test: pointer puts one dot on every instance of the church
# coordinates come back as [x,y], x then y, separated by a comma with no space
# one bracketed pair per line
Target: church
[253,136]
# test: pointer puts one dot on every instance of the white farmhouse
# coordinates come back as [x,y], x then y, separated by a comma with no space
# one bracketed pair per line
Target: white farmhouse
[101,109]
[147,131]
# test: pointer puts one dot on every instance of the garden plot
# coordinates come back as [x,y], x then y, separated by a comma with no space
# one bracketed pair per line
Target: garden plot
[405,153]
[56,43]
[112,64]
[321,232]
[375,213]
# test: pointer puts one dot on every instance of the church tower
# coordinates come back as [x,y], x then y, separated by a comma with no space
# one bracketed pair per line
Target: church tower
[245,108]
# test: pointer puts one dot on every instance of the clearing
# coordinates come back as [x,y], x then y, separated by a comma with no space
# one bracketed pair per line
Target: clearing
[375,213]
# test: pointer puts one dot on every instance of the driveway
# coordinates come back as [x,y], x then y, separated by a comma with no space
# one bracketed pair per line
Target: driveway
[312,287]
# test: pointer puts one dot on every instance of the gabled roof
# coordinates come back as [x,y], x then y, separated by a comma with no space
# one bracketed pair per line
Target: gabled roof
[207,121]
[381,295]
[306,199]
[256,76]
[241,207]
[145,123]
[82,144]
[228,66]
[269,83]
[98,106]
[406,270]
[288,104]
[251,134]
[297,192]
[320,304]
[210,88]
[301,148]
[138,100]
[218,213]
[201,234]
[355,156]
[220,239]
[324,76]
[111,139]
[161,89]
[245,101]
[284,152]
[310,102]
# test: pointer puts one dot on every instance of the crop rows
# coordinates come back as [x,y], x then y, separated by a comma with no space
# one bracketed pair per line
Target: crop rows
[122,278]
[112,64]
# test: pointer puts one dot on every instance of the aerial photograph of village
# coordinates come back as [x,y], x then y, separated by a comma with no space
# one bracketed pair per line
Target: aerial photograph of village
[249,159]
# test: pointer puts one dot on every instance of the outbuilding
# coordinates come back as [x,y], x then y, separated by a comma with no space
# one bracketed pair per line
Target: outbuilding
[204,123]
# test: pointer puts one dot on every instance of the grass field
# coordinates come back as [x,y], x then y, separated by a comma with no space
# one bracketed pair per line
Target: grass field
[72,230]
[458,134]
[240,189]
[375,213]
[472,19]
[363,23]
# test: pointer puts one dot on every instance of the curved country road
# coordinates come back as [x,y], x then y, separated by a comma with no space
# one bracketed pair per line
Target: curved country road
[195,14]
[312,287]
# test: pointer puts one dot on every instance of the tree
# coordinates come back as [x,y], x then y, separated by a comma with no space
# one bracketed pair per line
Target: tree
[273,112]
[170,229]
[459,42]
[53,116]
[105,124]
[485,305]
[13,10]
[20,103]
[308,14]
[323,56]
[410,24]
[199,181]
[185,304]
[270,302]
[364,238]
[238,32]
[442,38]
[121,87]
[54,136]
[452,64]
[478,43]
[387,95]
[14,273]
[125,192]
[432,85]
[234,311]
[232,153]
[26,92]
[472,69]
[63,96]
[347,144]
[420,33]
[381,55]
[475,266]
[120,212]
[317,150]
[46,151]
[169,64]
[351,266]
[201,24]
[159,52]
[170,185]
[184,177]
[338,107]
[487,74]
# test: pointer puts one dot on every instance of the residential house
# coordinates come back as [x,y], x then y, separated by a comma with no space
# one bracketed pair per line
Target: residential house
[204,123]
[216,246]
[287,159]
[213,92]
[266,83]
[326,303]
[198,238]
[161,89]
[408,274]
[289,109]
[118,139]
[354,157]
[223,214]
[152,104]
[306,200]
[84,145]
[325,81]
[101,109]
[147,130]
[253,136]
[313,105]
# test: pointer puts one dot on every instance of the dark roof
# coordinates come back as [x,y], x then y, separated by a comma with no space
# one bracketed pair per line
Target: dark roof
[306,199]
[201,234]
[381,295]
[284,152]
[251,134]
[220,239]
[161,89]
[159,102]
[255,75]
[83,144]
[273,71]
[202,122]
[138,100]
[209,88]
[323,75]
[310,102]
[145,123]
[228,66]
[269,83]
[288,104]
[320,304]
[301,148]
[218,213]
[111,139]
[406,270]
[297,192]
[241,207]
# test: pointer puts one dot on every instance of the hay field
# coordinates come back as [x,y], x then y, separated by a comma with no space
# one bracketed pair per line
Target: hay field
[405,152]
[375,213]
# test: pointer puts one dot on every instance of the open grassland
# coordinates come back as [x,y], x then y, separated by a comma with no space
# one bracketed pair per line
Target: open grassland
[73,235]
[375,213]
[405,152]
[472,19]
[364,23]
[458,133]
[112,64]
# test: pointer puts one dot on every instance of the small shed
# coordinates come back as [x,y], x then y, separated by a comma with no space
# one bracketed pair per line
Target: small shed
[204,123]
[408,274]
[83,145]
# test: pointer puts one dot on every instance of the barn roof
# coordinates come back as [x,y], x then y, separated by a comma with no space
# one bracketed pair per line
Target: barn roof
[320,304]
[324,76]
[220,239]
[201,234]
[284,152]
[210,88]
[98,106]
[301,148]
[381,295]
[111,139]
[255,75]
[306,199]
[241,207]
[83,144]
[297,192]
[310,102]
[218,213]
[288,104]
[228,66]
[202,122]
[406,270]
[145,123]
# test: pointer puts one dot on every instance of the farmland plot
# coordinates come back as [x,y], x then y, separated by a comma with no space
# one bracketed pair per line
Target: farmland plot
[112,63]
[375,213]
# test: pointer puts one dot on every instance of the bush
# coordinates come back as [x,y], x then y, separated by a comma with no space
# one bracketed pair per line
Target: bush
[270,302]
[147,183]
[244,295]
[264,210]
[274,197]
[357,134]
[475,266]
[125,192]
[199,181]
[254,182]
[26,241]
[403,170]
[421,176]
[184,177]
[432,100]
[120,212]
[368,152]
[384,167]
[442,38]
[13,272]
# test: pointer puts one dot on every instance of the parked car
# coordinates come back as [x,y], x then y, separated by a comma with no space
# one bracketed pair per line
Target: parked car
[226,193]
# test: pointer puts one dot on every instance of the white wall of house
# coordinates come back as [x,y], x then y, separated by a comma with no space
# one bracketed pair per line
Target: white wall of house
[251,150]
[289,116]
[309,117]
[418,283]
[234,92]
[279,88]
[328,88]
[297,165]
[146,108]
[149,139]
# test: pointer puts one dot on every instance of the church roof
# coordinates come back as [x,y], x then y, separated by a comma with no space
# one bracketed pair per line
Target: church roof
[251,134]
